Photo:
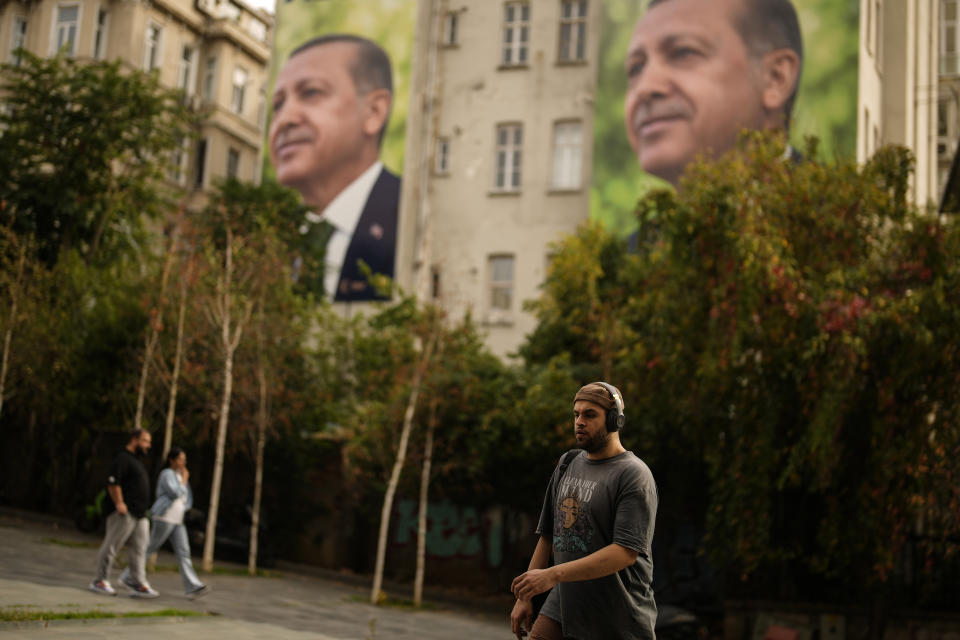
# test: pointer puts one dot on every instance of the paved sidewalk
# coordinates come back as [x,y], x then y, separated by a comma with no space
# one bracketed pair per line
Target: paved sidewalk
[46,567]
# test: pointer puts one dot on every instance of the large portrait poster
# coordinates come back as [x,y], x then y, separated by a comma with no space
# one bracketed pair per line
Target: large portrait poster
[323,98]
[389,23]
[826,104]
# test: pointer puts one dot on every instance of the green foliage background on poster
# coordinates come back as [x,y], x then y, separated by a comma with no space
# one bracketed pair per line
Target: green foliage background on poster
[389,23]
[826,105]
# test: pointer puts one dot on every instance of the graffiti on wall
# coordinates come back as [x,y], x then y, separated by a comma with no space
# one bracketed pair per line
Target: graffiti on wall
[452,531]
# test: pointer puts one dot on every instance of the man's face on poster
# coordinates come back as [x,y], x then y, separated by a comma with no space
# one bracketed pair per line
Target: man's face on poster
[321,123]
[692,84]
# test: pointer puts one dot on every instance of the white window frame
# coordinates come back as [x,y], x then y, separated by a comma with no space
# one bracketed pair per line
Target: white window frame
[56,29]
[180,161]
[451,28]
[187,69]
[152,53]
[262,108]
[572,40]
[508,157]
[500,290]
[949,60]
[210,79]
[441,157]
[228,10]
[238,92]
[100,34]
[516,34]
[567,160]
[947,113]
[256,28]
[18,38]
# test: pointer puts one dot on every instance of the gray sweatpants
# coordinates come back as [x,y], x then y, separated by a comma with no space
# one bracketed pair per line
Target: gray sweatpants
[123,529]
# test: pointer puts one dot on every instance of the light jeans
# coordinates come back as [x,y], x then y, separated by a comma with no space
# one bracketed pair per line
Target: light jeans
[123,529]
[181,546]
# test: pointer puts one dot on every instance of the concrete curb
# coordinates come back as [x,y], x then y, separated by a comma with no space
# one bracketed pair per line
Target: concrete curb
[99,622]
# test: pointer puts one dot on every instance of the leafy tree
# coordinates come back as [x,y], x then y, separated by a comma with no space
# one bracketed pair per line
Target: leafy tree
[243,258]
[82,152]
[792,352]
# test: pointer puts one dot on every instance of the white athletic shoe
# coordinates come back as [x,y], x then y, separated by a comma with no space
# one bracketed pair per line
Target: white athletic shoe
[102,587]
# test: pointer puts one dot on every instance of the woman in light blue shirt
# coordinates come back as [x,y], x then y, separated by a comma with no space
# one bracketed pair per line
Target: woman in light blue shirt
[174,499]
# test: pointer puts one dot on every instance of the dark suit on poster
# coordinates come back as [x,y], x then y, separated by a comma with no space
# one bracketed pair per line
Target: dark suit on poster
[374,241]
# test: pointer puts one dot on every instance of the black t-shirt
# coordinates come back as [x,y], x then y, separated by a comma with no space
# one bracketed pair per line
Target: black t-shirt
[130,475]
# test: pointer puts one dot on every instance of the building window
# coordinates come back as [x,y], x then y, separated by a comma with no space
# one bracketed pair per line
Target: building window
[210,79]
[233,162]
[949,65]
[100,35]
[228,10]
[199,176]
[441,159]
[257,29]
[567,146]
[186,73]
[509,156]
[450,28]
[943,111]
[65,36]
[239,90]
[501,282]
[151,52]
[877,34]
[262,108]
[866,133]
[573,31]
[18,39]
[435,283]
[516,33]
[178,162]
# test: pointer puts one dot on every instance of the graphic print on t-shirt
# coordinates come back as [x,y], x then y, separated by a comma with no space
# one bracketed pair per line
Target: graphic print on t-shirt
[572,529]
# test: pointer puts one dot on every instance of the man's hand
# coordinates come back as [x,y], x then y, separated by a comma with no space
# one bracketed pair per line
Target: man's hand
[186,474]
[534,581]
[521,618]
[122,508]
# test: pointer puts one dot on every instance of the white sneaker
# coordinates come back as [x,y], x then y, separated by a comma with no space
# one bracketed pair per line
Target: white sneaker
[103,587]
[139,590]
[143,591]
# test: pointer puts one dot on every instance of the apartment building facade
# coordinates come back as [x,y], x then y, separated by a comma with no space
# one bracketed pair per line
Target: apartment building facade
[909,86]
[498,161]
[216,51]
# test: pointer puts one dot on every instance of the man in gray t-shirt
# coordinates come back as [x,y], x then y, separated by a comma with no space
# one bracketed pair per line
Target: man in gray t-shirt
[597,521]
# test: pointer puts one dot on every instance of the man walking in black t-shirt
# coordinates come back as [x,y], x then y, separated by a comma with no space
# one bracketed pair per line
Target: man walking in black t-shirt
[129,487]
[597,522]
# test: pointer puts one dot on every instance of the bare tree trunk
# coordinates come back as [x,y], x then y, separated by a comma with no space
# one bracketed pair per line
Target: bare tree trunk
[177,359]
[424,502]
[230,337]
[8,334]
[262,418]
[154,335]
[375,593]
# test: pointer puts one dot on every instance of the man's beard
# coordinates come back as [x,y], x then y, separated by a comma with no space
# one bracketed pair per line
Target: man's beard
[596,443]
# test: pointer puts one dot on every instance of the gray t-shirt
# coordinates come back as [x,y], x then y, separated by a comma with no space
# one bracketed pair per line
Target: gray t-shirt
[599,502]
